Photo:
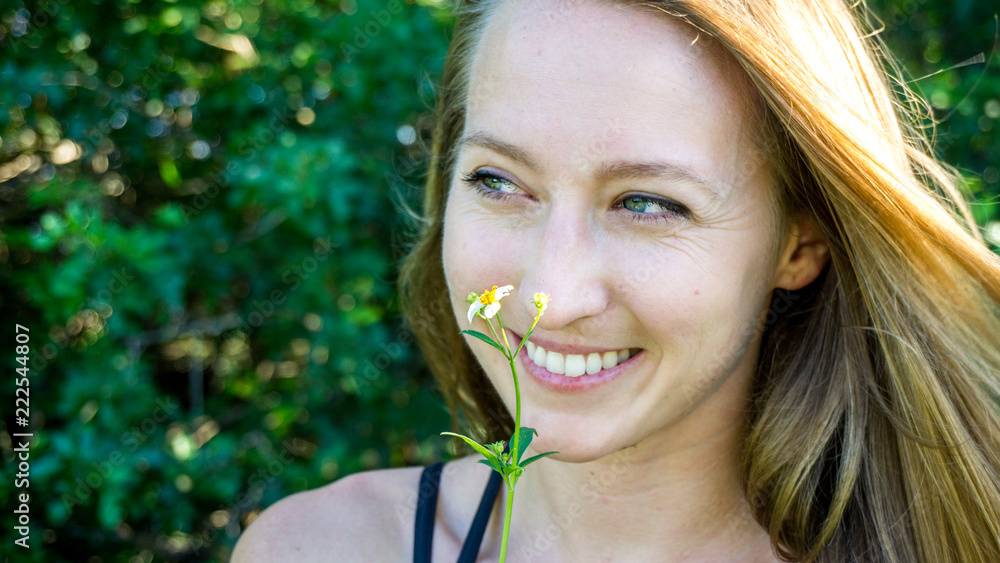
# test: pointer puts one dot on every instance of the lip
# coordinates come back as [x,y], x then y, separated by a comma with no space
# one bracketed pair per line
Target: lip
[563,384]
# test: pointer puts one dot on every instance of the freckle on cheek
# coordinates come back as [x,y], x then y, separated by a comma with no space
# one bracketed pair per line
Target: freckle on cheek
[696,292]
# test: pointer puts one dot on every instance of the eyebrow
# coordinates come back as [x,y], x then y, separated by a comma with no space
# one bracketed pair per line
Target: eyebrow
[621,170]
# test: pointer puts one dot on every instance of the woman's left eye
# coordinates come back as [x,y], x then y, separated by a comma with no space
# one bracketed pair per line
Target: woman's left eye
[647,208]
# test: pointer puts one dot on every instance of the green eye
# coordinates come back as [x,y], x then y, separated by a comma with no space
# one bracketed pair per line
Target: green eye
[490,185]
[636,204]
[652,208]
[494,182]
[643,204]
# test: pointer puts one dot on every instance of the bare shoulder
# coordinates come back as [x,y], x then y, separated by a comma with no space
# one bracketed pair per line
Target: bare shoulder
[366,516]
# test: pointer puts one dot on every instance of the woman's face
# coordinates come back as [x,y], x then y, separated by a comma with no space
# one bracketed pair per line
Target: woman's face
[605,162]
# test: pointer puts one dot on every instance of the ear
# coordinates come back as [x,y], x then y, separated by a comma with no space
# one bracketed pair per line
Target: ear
[803,257]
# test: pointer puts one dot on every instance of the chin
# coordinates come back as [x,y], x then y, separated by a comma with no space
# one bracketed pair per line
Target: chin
[575,444]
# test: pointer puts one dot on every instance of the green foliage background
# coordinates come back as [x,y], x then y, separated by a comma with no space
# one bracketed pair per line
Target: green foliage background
[197,225]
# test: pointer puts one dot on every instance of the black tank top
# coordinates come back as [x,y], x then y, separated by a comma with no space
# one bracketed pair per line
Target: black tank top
[427,496]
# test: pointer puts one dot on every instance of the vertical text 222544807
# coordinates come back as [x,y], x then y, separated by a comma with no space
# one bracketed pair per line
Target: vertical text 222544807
[22,414]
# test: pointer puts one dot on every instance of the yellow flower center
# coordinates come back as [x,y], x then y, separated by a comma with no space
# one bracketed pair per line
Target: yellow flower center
[489,296]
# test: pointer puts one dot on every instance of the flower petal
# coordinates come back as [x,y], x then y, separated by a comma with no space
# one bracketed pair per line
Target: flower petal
[504,291]
[540,300]
[476,306]
[491,309]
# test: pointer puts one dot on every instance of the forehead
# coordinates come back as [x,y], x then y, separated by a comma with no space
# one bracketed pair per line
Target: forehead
[571,77]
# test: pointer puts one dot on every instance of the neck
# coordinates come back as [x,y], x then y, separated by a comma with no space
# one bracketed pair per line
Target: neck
[664,495]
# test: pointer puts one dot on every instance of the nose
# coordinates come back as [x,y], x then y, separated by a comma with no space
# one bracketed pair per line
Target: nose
[568,265]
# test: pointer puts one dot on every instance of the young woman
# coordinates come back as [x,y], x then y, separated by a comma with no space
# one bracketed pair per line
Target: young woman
[726,199]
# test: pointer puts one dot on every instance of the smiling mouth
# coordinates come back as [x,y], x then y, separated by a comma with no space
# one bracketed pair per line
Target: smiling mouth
[575,365]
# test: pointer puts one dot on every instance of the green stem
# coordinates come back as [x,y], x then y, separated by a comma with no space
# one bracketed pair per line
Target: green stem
[517,395]
[514,446]
[530,330]
[493,330]
[506,524]
[505,343]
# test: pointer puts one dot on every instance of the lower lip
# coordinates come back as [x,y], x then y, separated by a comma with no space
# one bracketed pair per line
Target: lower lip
[558,382]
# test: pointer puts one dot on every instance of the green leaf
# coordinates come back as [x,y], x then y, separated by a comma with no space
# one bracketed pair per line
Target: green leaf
[475,445]
[484,338]
[524,438]
[512,474]
[493,464]
[535,457]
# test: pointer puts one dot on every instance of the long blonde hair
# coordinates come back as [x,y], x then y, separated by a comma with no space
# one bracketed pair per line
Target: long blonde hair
[874,433]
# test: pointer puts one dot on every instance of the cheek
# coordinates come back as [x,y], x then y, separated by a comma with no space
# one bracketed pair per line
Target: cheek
[691,291]
[667,293]
[475,255]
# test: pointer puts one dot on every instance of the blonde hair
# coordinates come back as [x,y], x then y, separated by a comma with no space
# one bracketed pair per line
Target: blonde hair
[873,433]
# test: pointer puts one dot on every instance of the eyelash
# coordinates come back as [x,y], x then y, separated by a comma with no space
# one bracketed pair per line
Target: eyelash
[474,179]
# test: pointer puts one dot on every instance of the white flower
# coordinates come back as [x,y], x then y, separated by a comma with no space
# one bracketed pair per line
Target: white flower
[489,302]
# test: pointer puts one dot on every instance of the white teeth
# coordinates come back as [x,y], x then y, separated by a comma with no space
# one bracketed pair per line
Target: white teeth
[555,362]
[539,356]
[575,365]
[609,360]
[593,363]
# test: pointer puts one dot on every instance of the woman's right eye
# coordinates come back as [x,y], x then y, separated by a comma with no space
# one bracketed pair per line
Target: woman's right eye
[489,185]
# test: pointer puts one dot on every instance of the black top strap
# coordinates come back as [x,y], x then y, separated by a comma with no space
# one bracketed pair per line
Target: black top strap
[470,549]
[430,481]
[427,496]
